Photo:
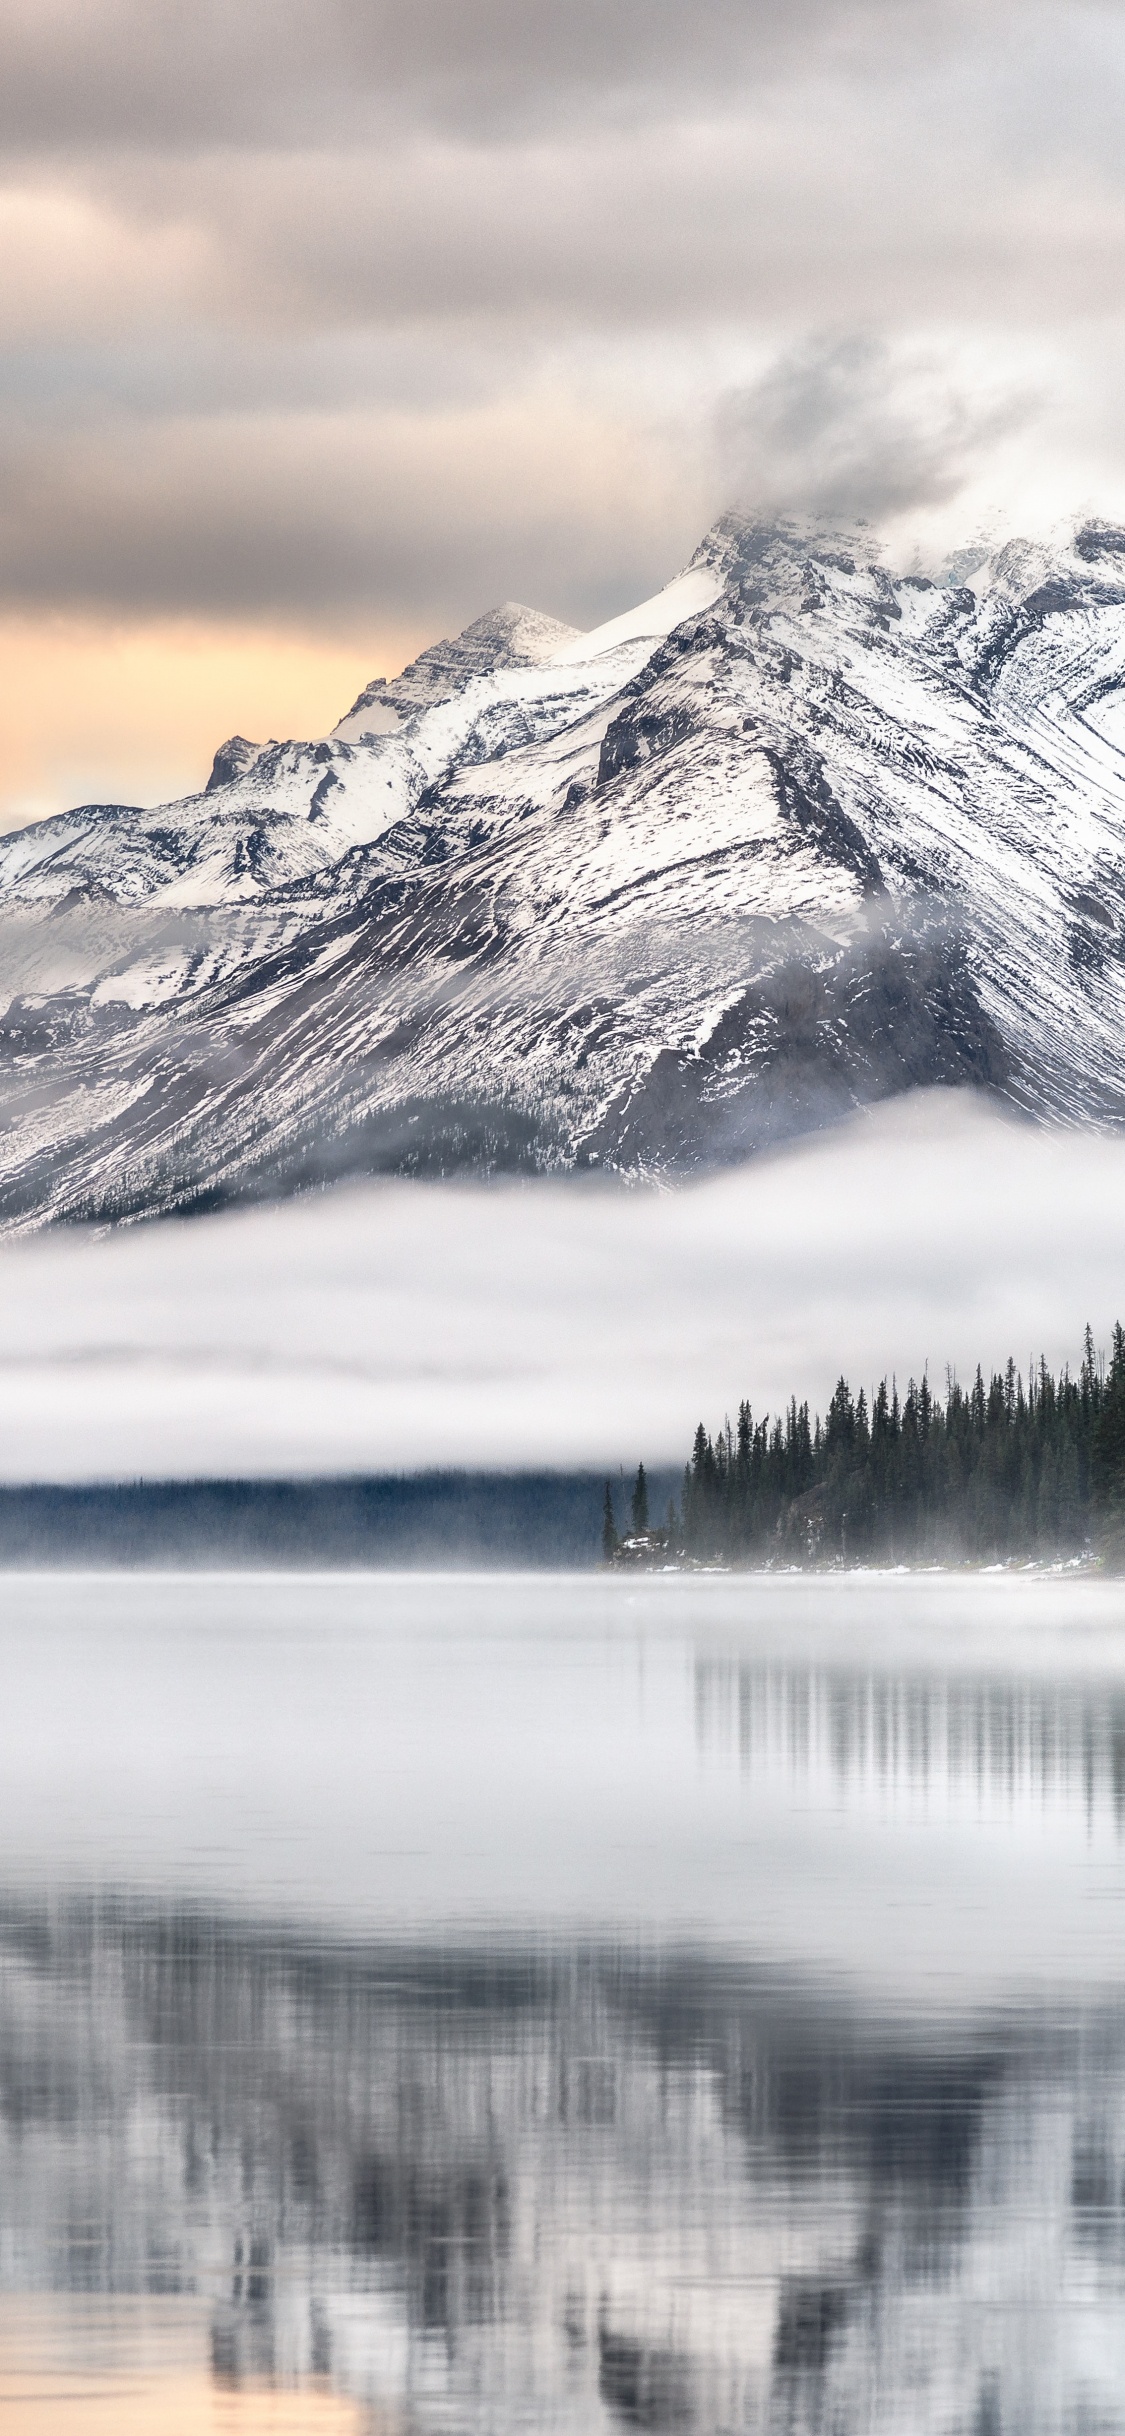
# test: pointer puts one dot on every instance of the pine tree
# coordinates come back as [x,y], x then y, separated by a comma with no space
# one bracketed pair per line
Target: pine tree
[1109,1433]
[994,1471]
[610,1541]
[639,1508]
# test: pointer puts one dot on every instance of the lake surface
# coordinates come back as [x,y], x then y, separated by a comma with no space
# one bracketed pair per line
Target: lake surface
[562,2003]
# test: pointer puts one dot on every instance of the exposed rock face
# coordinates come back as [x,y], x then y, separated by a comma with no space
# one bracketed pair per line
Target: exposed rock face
[232,760]
[796,835]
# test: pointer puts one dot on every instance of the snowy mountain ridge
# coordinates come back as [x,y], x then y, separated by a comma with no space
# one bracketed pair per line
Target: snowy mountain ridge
[272,814]
[795,834]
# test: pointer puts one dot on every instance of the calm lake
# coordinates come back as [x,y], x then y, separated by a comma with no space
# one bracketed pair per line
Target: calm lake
[562,2003]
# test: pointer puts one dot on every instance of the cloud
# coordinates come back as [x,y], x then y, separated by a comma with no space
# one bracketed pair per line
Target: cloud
[843,427]
[357,310]
[148,73]
[410,1325]
[400,517]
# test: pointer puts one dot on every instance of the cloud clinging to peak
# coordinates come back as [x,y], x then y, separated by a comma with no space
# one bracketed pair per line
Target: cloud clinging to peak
[840,427]
[356,317]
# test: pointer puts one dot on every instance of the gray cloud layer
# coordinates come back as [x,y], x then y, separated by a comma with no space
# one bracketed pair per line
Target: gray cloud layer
[83,73]
[355,309]
[832,427]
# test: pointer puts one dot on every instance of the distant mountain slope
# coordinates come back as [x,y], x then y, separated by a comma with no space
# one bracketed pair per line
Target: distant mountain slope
[797,834]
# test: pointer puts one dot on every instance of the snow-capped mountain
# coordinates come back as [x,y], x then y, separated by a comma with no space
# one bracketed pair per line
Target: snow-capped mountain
[794,835]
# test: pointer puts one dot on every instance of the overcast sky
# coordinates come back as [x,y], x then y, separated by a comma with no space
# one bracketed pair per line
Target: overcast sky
[325,326]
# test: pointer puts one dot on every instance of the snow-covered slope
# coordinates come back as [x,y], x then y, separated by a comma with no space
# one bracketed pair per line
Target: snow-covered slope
[270,815]
[794,835]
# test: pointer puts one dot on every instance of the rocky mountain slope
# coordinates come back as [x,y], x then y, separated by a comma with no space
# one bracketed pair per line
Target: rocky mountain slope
[795,835]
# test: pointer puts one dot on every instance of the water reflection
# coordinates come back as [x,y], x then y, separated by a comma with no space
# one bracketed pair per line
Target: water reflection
[586,2188]
[1001,1742]
[697,2032]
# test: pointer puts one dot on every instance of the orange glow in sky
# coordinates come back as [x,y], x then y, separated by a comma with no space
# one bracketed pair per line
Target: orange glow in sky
[98,713]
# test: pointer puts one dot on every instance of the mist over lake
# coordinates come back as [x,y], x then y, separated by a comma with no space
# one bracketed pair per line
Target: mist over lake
[398,1326]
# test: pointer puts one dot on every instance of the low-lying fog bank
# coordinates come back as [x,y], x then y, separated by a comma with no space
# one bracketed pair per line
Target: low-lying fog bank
[399,1326]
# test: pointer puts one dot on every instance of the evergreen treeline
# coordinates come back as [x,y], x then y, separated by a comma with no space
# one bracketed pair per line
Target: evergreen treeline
[996,1470]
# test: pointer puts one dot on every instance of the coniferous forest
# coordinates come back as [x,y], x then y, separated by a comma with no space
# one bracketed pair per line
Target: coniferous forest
[1006,1467]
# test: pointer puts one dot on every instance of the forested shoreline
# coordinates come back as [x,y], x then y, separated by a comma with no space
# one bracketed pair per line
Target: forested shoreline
[1005,1468]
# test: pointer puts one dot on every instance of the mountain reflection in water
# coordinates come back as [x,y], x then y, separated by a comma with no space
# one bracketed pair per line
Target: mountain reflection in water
[501,2175]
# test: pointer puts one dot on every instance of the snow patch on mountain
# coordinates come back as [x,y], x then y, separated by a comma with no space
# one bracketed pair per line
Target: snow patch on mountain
[698,588]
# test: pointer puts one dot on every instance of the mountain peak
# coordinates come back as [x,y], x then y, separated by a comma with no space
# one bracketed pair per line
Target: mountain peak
[510,636]
[232,760]
[741,542]
[515,636]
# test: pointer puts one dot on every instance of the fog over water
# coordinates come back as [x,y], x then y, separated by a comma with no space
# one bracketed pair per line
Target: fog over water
[400,1326]
[934,1767]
